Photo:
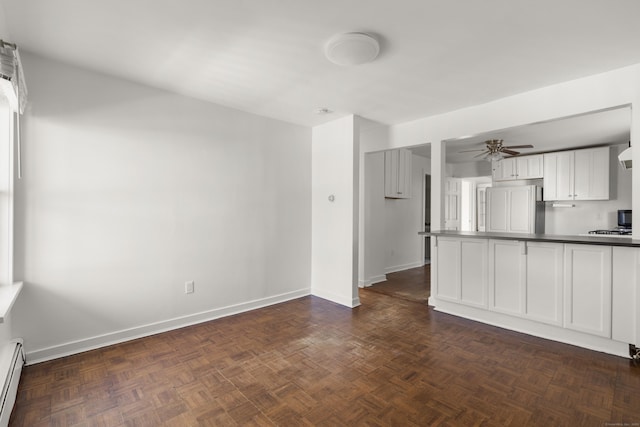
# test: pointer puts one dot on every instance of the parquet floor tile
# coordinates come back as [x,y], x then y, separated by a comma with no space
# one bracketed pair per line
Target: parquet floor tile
[309,362]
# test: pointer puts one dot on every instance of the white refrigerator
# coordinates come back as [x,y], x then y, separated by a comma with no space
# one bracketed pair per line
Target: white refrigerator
[515,209]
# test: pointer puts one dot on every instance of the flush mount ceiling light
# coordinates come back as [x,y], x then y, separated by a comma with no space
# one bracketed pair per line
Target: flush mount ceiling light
[352,49]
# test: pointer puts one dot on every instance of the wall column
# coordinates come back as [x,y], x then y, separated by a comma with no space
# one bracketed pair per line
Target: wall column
[335,154]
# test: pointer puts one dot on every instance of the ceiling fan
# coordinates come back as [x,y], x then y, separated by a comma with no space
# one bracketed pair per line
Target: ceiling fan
[496,151]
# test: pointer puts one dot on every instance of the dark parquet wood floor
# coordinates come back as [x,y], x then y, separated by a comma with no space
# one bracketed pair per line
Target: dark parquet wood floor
[413,284]
[389,362]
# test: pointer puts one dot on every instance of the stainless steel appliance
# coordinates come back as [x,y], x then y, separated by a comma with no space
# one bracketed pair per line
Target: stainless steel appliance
[623,229]
[624,218]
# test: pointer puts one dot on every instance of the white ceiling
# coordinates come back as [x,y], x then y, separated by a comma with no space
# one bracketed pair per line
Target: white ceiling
[266,56]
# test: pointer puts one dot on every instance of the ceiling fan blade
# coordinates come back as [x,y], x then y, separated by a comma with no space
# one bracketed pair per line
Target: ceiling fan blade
[510,152]
[485,153]
[519,146]
[469,151]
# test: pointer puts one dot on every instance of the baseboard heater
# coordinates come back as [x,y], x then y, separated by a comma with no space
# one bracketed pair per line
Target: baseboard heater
[10,386]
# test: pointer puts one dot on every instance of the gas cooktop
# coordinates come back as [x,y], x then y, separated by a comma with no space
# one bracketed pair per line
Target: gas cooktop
[614,232]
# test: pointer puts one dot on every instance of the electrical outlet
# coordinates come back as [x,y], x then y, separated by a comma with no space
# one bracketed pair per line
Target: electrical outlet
[189,287]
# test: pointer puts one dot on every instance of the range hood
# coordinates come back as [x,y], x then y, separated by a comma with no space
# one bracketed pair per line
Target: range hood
[625,158]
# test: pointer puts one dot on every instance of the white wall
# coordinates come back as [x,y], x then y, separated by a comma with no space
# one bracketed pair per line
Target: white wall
[374,252]
[469,169]
[403,221]
[335,172]
[391,241]
[593,215]
[4,35]
[607,90]
[601,91]
[130,191]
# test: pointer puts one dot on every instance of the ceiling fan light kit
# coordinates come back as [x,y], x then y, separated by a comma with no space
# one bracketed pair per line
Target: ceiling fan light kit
[495,151]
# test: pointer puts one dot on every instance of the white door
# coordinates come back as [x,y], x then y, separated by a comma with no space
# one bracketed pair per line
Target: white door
[482,208]
[452,198]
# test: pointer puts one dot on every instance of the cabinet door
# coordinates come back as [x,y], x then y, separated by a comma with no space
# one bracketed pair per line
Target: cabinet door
[452,198]
[587,291]
[543,297]
[461,270]
[405,173]
[592,174]
[624,295]
[529,167]
[497,209]
[397,174]
[558,175]
[521,210]
[504,170]
[482,208]
[391,164]
[506,276]
[447,263]
[473,276]
[496,170]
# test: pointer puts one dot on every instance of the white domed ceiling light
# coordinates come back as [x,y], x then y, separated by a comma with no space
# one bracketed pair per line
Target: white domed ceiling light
[352,49]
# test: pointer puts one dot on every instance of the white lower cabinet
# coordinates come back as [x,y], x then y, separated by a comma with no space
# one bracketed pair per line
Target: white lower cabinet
[525,279]
[544,282]
[448,268]
[461,270]
[587,290]
[507,266]
[624,295]
[591,289]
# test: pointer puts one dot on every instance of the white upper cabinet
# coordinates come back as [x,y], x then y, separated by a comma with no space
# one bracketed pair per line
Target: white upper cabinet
[513,168]
[529,167]
[591,168]
[577,175]
[397,174]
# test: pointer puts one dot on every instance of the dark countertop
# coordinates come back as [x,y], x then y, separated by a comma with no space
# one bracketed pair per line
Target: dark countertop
[554,238]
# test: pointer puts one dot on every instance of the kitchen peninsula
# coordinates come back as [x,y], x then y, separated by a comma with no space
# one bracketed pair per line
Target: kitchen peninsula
[579,290]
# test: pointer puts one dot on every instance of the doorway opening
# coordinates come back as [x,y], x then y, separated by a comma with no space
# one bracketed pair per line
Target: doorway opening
[427,217]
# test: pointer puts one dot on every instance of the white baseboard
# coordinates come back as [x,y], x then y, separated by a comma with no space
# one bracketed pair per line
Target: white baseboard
[74,347]
[402,267]
[530,327]
[338,299]
[372,281]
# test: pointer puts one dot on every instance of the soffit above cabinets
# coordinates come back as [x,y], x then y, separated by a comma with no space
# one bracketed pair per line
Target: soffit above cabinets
[607,127]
